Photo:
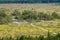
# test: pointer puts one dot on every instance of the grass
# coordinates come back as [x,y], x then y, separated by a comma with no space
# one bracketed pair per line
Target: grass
[47,8]
[14,30]
[52,26]
[36,29]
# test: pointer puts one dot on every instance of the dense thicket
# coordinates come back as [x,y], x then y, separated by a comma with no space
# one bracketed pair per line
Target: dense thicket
[29,1]
[35,16]
[27,15]
[4,18]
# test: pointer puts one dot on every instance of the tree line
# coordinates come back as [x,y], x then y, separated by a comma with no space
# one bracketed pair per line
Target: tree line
[29,1]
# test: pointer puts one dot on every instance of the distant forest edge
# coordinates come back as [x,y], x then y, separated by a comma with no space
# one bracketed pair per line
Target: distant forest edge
[29,1]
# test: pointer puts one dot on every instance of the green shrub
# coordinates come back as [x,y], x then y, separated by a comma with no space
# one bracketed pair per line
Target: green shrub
[4,18]
[55,15]
[43,16]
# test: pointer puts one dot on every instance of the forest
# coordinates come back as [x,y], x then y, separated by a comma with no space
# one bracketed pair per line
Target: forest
[29,1]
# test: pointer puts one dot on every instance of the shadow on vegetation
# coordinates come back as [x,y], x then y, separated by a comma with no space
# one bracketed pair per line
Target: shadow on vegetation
[49,37]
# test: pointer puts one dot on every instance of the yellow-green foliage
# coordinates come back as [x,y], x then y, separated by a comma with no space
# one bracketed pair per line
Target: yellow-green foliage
[53,26]
[21,29]
[41,28]
[47,8]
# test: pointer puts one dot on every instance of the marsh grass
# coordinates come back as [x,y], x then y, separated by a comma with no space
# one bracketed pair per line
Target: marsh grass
[41,37]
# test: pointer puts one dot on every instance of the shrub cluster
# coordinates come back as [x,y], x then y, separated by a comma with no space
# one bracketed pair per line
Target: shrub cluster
[27,15]
[35,16]
[4,18]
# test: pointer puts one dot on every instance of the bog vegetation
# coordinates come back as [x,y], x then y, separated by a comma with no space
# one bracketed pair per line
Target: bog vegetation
[27,15]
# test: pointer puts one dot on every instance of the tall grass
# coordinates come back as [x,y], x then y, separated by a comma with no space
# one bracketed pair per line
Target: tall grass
[49,37]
